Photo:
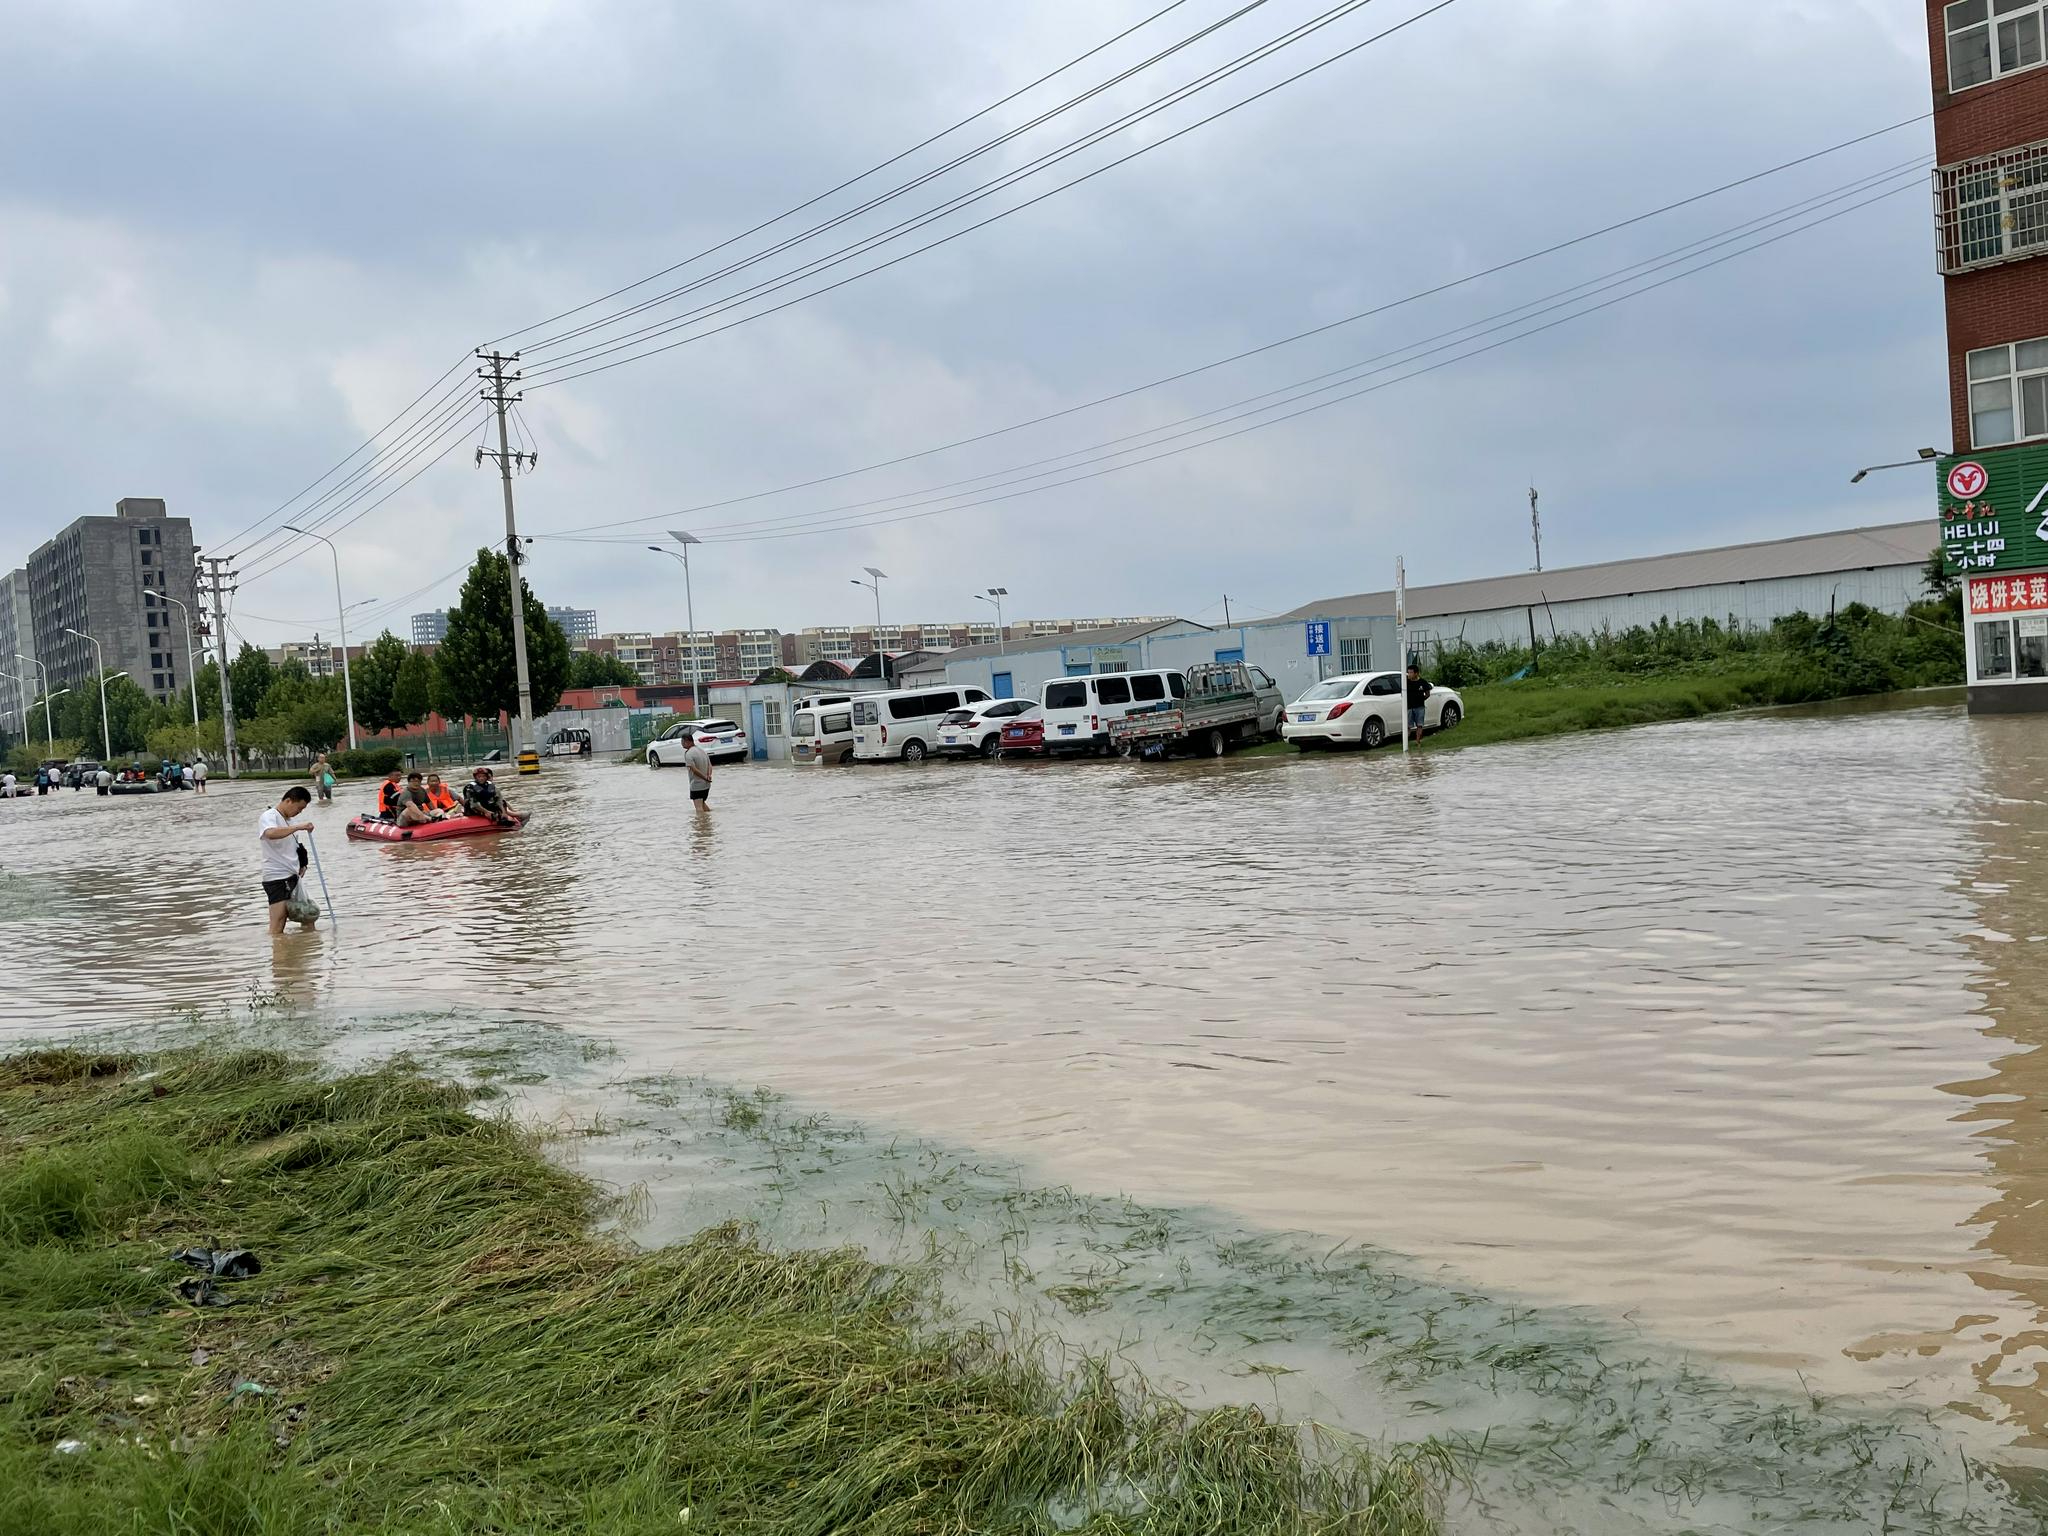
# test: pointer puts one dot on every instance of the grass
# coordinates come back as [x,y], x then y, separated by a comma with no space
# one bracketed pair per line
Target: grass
[440,1342]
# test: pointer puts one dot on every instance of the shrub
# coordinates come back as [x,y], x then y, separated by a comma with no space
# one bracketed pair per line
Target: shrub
[366,762]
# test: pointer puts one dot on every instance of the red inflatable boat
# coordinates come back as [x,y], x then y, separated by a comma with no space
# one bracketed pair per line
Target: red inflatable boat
[369,829]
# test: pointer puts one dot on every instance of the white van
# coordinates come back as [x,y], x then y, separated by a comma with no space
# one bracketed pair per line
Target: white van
[904,724]
[821,729]
[1077,710]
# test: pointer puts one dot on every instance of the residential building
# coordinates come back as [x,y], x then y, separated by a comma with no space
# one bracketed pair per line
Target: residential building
[579,624]
[1991,213]
[317,656]
[18,685]
[98,577]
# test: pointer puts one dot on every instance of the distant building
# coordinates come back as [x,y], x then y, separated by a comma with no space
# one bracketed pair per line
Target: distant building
[17,640]
[717,655]
[95,578]
[315,655]
[577,623]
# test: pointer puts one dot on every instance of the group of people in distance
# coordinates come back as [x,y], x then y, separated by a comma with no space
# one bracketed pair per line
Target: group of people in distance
[412,799]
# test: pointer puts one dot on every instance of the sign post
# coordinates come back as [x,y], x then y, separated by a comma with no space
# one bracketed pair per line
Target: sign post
[1317,633]
[1401,642]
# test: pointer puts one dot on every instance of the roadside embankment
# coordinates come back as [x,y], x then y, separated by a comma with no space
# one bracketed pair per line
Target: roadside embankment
[444,1337]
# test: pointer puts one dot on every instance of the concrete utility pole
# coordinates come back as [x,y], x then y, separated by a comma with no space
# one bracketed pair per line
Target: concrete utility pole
[1536,527]
[216,578]
[496,379]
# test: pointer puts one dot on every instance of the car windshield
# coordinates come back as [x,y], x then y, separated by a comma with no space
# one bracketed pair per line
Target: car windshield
[1335,688]
[804,725]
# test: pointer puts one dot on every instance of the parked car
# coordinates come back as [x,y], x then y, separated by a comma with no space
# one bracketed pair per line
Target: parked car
[1227,704]
[905,723]
[821,730]
[723,740]
[1363,709]
[571,741]
[1023,735]
[974,730]
[1079,711]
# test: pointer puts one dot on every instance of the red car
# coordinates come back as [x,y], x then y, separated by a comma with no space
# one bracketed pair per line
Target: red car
[1023,736]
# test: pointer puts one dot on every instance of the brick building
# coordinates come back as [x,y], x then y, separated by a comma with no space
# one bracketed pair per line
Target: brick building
[1991,212]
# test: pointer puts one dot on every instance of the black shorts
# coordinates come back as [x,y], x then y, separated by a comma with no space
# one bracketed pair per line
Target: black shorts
[700,794]
[275,891]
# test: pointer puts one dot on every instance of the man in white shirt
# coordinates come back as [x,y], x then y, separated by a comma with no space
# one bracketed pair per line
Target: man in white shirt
[7,785]
[282,856]
[199,775]
[698,761]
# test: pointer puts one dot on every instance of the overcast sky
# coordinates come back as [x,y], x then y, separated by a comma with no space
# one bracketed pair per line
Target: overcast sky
[235,240]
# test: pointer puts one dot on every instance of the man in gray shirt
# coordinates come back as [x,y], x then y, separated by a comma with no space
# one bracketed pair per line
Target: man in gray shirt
[698,761]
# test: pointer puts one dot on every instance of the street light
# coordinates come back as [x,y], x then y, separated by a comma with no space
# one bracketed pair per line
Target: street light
[348,696]
[996,596]
[99,665]
[1925,455]
[191,670]
[875,586]
[49,735]
[690,618]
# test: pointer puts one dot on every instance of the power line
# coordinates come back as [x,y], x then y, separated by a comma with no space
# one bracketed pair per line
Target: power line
[1004,213]
[1250,352]
[925,143]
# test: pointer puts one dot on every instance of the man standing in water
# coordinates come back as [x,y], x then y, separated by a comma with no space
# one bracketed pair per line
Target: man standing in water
[698,761]
[199,774]
[283,857]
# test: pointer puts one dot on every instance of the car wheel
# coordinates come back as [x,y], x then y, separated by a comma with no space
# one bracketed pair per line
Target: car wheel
[913,752]
[988,746]
[1215,744]
[1450,717]
[846,756]
[1124,748]
[653,758]
[1372,733]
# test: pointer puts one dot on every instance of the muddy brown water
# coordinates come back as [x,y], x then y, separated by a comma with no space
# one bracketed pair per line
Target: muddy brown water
[1727,1029]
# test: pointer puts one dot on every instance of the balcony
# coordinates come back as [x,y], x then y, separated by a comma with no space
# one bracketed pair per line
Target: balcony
[1991,210]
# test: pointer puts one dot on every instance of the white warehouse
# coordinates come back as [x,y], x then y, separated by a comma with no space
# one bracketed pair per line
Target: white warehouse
[1746,584]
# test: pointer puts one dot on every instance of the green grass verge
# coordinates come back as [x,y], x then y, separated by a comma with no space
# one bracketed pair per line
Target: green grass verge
[441,1341]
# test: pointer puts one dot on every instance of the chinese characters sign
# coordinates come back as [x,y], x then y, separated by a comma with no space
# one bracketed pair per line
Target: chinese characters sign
[2001,594]
[1318,637]
[1994,510]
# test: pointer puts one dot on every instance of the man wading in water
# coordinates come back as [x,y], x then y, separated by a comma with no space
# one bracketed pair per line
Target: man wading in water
[283,856]
[698,761]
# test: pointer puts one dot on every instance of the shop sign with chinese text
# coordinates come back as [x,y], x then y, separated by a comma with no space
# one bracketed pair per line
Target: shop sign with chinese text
[1991,595]
[1994,510]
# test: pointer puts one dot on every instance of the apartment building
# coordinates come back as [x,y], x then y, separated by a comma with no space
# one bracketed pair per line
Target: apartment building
[18,685]
[100,580]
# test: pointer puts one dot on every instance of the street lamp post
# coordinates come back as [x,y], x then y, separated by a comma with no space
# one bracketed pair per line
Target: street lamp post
[996,596]
[875,586]
[690,617]
[100,666]
[49,734]
[1925,456]
[191,670]
[348,696]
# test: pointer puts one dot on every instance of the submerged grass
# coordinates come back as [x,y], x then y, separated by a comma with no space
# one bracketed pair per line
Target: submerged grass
[440,1341]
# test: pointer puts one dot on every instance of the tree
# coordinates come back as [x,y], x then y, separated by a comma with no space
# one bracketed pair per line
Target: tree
[319,720]
[475,656]
[249,678]
[412,690]
[595,669]
[372,676]
[1935,573]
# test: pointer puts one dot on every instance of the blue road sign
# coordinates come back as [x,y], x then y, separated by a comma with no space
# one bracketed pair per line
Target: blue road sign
[1318,637]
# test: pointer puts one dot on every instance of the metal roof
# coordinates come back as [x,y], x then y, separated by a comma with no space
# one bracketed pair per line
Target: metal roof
[1812,554]
[1122,634]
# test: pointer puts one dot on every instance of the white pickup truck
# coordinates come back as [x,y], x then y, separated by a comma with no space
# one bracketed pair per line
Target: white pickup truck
[1228,704]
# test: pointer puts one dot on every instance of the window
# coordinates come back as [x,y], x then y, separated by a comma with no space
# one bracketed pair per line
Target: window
[1354,655]
[805,724]
[1112,690]
[865,713]
[152,615]
[1994,648]
[1385,684]
[836,723]
[1990,38]
[1148,687]
[1177,684]
[149,557]
[2008,393]
[2030,631]
[1335,688]
[1070,695]
[1993,209]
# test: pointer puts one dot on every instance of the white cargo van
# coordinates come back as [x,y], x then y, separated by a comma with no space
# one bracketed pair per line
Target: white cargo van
[1078,710]
[821,729]
[904,724]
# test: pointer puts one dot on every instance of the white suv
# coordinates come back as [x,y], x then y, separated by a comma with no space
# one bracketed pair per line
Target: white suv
[723,739]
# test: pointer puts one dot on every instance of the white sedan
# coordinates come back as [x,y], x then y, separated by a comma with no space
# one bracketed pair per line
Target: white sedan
[722,739]
[1363,709]
[975,729]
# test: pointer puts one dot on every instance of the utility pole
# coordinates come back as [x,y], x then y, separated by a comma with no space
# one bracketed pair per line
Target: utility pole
[215,579]
[1536,527]
[496,380]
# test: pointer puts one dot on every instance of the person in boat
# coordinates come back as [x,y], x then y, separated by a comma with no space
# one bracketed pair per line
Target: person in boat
[414,808]
[388,794]
[480,797]
[440,798]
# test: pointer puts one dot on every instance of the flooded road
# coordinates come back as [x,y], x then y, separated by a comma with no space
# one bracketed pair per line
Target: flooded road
[1726,1029]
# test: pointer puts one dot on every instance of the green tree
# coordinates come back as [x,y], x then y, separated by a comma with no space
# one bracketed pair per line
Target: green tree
[595,669]
[319,719]
[249,677]
[1935,573]
[412,690]
[476,654]
[372,676]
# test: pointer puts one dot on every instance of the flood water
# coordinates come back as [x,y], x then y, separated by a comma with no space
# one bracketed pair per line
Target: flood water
[1727,1029]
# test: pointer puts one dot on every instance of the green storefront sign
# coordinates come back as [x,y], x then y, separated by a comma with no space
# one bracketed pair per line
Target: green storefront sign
[1994,510]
